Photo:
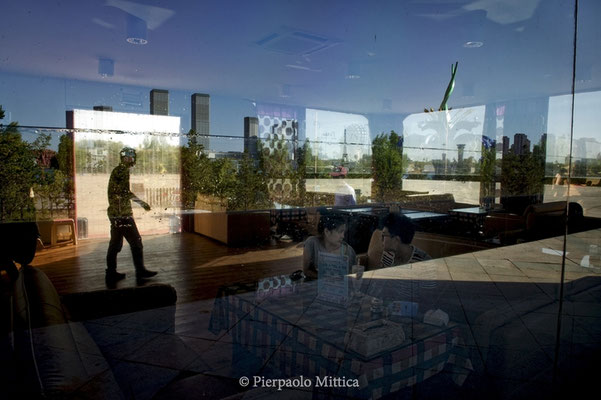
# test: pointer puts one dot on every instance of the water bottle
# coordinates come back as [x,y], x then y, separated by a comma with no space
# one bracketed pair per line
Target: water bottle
[377,309]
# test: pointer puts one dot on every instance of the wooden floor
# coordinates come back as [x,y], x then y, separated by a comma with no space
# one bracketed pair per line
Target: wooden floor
[195,265]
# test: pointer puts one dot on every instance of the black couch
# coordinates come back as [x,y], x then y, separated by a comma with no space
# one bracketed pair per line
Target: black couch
[45,352]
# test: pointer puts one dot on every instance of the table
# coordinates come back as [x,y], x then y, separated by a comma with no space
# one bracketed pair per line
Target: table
[298,335]
[415,215]
[473,216]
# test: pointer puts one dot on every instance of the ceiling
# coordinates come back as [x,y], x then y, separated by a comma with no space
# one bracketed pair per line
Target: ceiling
[358,56]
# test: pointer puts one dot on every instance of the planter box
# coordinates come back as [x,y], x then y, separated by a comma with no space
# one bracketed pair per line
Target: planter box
[234,228]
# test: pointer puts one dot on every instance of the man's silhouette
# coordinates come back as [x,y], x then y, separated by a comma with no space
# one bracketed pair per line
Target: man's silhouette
[122,220]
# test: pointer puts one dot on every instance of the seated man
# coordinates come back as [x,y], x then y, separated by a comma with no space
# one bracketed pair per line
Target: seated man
[392,245]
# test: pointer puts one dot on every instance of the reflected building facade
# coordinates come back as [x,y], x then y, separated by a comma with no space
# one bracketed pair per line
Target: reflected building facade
[251,136]
[159,102]
[201,107]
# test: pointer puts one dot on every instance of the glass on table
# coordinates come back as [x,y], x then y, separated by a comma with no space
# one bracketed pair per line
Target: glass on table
[357,279]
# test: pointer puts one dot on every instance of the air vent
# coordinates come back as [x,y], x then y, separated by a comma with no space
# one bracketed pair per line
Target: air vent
[295,42]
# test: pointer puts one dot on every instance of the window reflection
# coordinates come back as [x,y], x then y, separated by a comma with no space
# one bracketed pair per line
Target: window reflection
[250,123]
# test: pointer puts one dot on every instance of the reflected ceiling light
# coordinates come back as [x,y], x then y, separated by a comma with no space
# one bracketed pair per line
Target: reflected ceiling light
[103,23]
[106,67]
[353,71]
[473,45]
[301,67]
[137,30]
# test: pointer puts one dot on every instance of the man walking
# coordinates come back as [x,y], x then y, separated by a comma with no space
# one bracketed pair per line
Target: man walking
[122,221]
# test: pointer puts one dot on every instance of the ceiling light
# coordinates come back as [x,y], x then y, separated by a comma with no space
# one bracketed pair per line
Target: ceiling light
[137,30]
[473,45]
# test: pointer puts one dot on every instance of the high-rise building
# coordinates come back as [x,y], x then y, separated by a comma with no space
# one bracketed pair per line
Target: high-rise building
[521,144]
[200,118]
[505,145]
[159,102]
[251,135]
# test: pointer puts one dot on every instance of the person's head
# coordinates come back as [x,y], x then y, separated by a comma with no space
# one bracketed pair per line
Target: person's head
[331,227]
[397,227]
[128,156]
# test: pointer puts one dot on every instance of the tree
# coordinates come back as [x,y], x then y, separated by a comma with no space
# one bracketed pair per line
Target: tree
[387,167]
[487,172]
[50,189]
[157,156]
[522,177]
[304,156]
[18,174]
[222,180]
[250,188]
[195,171]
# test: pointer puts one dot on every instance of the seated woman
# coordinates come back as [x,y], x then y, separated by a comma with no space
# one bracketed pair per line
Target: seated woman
[330,242]
[392,245]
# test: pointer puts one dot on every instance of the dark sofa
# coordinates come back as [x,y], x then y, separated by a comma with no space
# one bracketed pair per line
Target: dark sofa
[45,352]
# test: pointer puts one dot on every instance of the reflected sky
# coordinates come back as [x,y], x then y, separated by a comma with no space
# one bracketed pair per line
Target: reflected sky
[383,64]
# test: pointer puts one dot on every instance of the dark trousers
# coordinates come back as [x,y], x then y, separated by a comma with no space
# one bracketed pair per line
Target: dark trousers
[124,227]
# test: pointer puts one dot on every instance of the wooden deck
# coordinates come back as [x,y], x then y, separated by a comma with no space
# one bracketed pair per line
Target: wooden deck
[195,265]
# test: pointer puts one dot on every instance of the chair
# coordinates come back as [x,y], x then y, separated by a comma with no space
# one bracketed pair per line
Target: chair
[537,221]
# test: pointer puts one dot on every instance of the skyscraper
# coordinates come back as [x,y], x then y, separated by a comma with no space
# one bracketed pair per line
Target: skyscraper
[159,102]
[200,118]
[505,145]
[251,135]
[521,144]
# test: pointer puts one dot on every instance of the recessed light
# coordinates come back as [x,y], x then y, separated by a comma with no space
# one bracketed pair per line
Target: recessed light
[137,30]
[135,40]
[473,45]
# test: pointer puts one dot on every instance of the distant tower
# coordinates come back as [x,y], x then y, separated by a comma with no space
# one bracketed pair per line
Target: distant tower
[505,145]
[460,149]
[521,144]
[200,117]
[251,136]
[159,102]
[344,150]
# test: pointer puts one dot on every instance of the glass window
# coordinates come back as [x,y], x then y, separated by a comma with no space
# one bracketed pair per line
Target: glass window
[342,198]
